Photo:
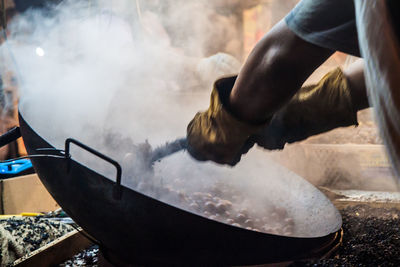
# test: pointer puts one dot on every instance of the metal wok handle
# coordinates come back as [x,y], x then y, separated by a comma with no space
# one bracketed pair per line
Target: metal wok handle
[10,136]
[117,193]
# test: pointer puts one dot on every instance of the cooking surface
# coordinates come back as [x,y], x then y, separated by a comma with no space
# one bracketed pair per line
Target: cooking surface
[371,238]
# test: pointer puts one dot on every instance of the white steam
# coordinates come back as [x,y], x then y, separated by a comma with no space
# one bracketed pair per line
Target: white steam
[39,51]
[114,77]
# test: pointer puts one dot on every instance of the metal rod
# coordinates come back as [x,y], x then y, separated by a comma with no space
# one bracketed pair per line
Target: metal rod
[168,149]
[10,136]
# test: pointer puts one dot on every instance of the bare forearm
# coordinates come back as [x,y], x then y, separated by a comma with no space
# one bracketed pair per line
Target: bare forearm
[273,73]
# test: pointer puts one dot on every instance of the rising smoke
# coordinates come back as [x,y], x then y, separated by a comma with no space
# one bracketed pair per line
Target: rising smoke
[120,77]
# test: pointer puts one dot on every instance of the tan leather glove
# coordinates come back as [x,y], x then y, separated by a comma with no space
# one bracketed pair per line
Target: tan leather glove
[314,109]
[216,134]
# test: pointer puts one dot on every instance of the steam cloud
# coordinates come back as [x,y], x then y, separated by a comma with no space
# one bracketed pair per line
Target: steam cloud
[110,76]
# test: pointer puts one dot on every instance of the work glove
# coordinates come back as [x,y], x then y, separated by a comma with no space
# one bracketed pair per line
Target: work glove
[216,134]
[313,110]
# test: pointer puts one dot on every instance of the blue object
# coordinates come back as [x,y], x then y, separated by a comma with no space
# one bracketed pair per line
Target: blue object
[15,167]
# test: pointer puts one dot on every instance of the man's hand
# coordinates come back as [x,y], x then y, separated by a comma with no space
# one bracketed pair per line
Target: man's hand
[216,134]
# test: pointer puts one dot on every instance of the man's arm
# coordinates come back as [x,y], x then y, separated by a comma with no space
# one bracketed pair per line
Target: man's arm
[275,70]
[265,105]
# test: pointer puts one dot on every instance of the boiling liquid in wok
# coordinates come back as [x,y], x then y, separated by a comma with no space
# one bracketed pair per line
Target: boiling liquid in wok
[221,203]
[213,197]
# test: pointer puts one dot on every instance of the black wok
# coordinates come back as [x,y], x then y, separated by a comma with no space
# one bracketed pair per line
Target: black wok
[143,230]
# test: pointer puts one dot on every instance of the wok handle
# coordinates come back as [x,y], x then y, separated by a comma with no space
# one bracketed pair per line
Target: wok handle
[10,136]
[117,193]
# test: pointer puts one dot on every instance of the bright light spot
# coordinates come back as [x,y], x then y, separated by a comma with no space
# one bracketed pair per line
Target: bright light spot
[39,51]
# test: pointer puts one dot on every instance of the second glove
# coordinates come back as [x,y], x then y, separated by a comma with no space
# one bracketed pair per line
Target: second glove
[313,110]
